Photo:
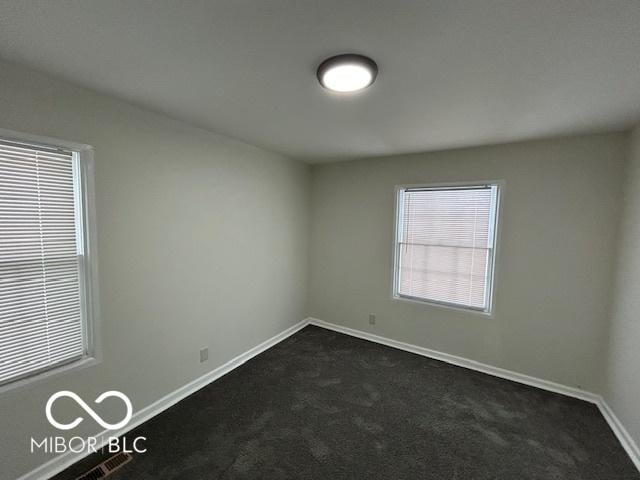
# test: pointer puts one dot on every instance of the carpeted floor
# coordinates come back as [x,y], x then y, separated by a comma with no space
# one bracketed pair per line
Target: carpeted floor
[322,405]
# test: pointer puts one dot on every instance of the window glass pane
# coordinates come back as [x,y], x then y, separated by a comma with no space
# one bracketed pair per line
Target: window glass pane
[40,296]
[445,245]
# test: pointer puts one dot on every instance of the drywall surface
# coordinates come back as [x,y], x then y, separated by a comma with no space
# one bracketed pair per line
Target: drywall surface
[202,241]
[623,368]
[560,211]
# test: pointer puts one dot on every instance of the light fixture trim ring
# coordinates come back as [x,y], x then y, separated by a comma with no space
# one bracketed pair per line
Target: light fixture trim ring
[345,59]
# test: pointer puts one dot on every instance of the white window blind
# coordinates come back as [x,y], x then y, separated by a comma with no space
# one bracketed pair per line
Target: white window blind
[41,244]
[445,245]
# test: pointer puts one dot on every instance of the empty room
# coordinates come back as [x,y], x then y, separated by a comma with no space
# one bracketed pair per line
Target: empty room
[293,239]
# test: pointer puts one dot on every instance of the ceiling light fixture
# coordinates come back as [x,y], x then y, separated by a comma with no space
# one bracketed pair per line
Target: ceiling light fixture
[347,73]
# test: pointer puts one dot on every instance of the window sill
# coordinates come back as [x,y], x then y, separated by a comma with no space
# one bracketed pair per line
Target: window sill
[49,374]
[444,306]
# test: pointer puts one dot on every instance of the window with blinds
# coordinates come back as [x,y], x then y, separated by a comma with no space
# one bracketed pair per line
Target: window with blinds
[445,242]
[42,314]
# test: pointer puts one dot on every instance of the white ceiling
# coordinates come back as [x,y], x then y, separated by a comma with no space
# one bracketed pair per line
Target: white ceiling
[452,73]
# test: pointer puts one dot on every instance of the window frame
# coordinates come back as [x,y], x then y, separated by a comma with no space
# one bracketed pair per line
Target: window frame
[84,158]
[397,231]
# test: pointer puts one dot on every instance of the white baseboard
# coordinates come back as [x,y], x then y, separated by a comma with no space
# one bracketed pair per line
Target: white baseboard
[59,463]
[627,442]
[621,433]
[463,362]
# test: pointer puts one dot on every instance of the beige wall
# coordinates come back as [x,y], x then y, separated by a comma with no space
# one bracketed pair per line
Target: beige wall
[623,372]
[202,241]
[560,212]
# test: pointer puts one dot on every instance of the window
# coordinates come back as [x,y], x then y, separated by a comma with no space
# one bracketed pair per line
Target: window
[44,270]
[445,245]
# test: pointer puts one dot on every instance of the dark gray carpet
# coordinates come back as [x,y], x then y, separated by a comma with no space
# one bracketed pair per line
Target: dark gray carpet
[322,405]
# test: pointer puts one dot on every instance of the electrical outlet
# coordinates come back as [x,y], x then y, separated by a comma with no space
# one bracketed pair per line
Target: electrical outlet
[204,354]
[372,319]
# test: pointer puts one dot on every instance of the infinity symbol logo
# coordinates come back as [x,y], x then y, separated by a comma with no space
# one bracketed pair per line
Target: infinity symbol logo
[89,410]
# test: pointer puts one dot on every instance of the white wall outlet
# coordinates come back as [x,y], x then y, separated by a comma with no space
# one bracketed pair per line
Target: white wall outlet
[204,354]
[372,319]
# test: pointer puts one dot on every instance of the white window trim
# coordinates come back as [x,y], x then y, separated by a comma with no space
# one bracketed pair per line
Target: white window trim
[91,303]
[395,296]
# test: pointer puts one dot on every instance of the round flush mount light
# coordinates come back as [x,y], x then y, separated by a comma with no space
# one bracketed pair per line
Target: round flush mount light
[347,73]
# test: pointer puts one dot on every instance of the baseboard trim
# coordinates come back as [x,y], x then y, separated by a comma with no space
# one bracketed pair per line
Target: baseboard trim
[625,439]
[621,433]
[463,362]
[61,462]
